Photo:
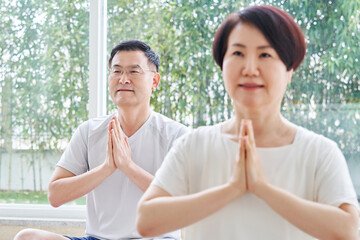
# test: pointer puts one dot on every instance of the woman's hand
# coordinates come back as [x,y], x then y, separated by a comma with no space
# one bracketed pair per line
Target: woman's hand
[248,173]
[255,177]
[238,178]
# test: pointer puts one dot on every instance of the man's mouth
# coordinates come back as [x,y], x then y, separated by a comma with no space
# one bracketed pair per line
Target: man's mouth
[125,90]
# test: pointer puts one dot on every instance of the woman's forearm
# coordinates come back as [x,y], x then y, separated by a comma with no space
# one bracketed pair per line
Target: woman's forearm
[164,214]
[318,220]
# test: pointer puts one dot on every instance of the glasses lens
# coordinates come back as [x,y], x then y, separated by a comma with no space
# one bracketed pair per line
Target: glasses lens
[134,71]
[116,71]
[131,71]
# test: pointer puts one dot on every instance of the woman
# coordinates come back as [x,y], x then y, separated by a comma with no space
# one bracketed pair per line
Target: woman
[255,176]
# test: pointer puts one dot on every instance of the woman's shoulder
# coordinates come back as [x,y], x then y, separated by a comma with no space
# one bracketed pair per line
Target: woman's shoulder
[208,130]
[200,135]
[312,139]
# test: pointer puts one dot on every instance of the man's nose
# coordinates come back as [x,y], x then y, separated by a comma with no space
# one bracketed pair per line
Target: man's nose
[124,78]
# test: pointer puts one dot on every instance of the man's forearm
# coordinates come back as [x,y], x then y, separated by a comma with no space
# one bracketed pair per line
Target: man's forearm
[65,189]
[138,176]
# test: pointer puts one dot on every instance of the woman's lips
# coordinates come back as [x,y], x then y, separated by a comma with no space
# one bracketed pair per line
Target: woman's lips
[251,86]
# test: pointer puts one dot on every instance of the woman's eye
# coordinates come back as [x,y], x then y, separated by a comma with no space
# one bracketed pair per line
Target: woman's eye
[237,53]
[265,55]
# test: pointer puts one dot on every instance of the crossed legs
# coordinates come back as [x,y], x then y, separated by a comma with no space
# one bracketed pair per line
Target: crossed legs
[37,234]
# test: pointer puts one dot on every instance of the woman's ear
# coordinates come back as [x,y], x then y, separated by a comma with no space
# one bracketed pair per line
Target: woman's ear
[290,74]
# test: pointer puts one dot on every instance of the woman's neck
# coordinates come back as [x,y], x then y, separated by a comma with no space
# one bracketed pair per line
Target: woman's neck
[270,129]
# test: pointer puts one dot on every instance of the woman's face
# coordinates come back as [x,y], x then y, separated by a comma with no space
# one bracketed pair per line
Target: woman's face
[254,75]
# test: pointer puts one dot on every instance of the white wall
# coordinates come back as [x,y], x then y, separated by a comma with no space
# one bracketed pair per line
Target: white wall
[22,173]
[22,176]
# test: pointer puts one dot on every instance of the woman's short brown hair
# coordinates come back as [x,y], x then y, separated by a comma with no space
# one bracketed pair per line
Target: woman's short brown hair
[278,27]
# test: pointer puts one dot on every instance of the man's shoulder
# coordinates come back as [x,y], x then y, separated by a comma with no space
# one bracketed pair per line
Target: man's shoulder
[96,125]
[160,117]
[163,121]
[165,127]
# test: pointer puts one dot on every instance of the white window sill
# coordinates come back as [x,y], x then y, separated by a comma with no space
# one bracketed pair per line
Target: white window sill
[42,215]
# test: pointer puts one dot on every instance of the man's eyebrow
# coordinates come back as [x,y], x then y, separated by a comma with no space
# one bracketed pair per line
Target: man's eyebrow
[243,46]
[134,65]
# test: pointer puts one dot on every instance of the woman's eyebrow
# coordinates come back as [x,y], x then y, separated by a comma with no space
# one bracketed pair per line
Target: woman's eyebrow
[244,46]
[238,45]
[264,47]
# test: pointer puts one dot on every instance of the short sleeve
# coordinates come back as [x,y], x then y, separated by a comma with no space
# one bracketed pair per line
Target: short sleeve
[172,175]
[177,130]
[74,159]
[334,186]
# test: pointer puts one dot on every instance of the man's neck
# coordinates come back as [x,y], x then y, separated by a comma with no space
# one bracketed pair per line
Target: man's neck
[131,119]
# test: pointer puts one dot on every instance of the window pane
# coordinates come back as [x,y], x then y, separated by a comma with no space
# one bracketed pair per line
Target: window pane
[324,94]
[44,93]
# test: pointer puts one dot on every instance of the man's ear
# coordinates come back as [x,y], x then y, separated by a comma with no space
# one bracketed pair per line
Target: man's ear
[156,81]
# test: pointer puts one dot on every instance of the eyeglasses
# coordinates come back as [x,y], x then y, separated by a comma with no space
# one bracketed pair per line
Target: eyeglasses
[133,72]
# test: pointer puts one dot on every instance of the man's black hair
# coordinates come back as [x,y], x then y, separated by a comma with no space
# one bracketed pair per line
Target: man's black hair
[136,45]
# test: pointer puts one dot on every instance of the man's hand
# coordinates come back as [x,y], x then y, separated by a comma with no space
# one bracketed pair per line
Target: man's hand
[109,161]
[120,146]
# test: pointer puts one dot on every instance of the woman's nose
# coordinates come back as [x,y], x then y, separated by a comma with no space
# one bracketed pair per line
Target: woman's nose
[250,67]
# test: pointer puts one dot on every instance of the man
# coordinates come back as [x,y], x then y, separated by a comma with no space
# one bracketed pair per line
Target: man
[113,159]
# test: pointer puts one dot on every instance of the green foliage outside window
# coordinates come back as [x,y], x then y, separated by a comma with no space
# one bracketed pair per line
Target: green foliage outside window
[324,94]
[43,78]
[44,51]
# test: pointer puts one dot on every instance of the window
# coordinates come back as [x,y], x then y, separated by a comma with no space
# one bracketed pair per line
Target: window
[44,74]
[324,94]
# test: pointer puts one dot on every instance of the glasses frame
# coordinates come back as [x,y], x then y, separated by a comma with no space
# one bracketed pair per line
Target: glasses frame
[128,71]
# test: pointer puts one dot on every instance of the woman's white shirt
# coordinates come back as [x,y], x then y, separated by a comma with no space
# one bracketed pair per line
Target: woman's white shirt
[312,167]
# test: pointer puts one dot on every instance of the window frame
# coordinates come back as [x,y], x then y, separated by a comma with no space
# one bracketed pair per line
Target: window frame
[30,214]
[97,58]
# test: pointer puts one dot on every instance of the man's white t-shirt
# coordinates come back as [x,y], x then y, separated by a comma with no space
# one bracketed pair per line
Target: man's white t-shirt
[312,167]
[111,206]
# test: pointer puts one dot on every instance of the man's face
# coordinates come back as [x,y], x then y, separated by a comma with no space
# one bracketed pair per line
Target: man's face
[132,79]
